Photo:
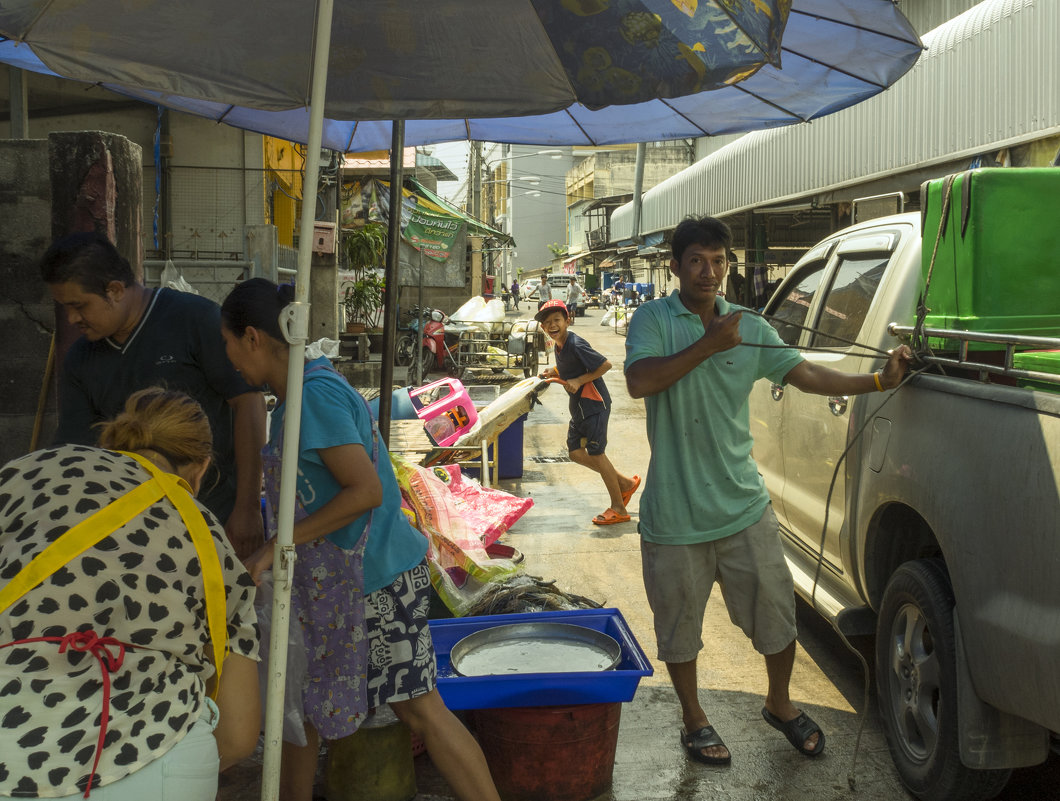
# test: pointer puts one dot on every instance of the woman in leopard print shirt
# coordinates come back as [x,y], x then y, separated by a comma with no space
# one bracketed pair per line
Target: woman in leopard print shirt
[140,592]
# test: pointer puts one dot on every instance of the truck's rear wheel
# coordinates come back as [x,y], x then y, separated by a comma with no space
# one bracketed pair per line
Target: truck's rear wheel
[916,681]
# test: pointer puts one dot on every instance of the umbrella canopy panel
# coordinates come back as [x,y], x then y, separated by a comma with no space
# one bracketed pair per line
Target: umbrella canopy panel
[388,63]
[507,71]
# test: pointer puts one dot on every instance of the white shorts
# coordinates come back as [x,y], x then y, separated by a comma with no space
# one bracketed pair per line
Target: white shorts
[186,772]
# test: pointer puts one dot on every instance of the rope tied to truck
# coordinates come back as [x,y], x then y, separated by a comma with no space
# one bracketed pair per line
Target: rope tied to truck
[918,341]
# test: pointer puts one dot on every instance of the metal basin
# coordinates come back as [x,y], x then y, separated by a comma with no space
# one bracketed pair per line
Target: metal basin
[534,648]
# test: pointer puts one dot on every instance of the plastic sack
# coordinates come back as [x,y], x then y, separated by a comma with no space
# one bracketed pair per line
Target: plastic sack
[477,310]
[468,313]
[322,347]
[494,311]
[297,665]
[460,568]
[489,512]
[615,317]
[172,278]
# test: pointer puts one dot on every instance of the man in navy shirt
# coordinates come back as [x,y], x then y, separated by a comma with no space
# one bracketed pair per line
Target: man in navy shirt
[134,337]
[581,369]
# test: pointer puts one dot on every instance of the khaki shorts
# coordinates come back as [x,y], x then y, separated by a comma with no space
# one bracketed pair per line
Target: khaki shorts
[755,583]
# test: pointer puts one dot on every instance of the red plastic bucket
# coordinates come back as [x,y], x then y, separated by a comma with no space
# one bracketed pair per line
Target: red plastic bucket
[549,753]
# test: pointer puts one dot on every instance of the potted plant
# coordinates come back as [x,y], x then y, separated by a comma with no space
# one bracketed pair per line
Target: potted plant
[362,298]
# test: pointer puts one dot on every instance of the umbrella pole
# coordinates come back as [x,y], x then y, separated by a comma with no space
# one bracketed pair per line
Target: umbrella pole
[294,322]
[386,379]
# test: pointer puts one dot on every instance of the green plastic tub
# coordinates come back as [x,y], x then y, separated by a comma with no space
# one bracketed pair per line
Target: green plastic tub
[1040,361]
[998,263]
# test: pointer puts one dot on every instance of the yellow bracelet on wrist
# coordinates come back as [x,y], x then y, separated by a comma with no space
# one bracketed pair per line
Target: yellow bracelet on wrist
[876,378]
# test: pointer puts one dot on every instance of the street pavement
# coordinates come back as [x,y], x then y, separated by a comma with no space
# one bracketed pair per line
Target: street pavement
[560,543]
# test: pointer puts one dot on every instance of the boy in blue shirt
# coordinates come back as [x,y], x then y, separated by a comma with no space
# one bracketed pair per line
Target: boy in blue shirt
[581,369]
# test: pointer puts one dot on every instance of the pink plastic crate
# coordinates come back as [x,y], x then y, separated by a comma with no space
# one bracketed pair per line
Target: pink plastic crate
[446,409]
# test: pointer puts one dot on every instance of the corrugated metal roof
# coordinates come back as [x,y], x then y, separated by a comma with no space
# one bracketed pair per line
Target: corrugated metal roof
[988,79]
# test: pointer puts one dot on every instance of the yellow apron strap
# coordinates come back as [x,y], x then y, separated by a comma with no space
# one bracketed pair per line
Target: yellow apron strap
[109,519]
[177,490]
[79,539]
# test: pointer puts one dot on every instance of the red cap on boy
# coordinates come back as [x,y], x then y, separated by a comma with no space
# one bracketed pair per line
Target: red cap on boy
[550,306]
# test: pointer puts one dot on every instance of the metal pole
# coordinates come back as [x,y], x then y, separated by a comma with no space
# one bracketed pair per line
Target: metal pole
[638,186]
[294,322]
[417,369]
[386,380]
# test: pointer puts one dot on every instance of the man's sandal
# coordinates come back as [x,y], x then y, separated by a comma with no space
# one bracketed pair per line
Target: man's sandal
[629,493]
[609,517]
[798,730]
[704,738]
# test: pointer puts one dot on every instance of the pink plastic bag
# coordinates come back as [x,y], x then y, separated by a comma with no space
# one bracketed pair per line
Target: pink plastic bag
[488,512]
[460,568]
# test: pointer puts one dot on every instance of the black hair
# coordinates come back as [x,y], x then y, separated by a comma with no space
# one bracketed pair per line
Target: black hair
[88,258]
[710,232]
[256,303]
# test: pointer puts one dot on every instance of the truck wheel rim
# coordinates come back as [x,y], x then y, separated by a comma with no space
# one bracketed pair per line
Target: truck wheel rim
[914,683]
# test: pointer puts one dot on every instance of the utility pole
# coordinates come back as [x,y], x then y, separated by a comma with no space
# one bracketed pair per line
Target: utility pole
[476,180]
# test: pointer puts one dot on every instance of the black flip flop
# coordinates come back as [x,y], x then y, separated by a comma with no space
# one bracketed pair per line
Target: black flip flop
[704,738]
[797,730]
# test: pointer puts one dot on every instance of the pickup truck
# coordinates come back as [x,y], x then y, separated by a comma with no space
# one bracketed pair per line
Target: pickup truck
[939,532]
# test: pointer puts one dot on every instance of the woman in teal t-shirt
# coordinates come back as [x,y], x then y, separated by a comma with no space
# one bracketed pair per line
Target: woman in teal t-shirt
[361,586]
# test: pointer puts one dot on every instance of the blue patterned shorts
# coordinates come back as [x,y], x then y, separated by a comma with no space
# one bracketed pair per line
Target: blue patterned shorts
[401,662]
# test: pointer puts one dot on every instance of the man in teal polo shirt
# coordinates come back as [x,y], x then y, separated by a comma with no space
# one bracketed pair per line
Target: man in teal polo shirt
[705,514]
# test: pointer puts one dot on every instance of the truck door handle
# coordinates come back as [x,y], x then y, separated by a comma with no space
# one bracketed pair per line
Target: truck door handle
[838,404]
[776,391]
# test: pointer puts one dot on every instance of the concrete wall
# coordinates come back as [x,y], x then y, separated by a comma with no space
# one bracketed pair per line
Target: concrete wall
[208,207]
[26,316]
[217,186]
[70,182]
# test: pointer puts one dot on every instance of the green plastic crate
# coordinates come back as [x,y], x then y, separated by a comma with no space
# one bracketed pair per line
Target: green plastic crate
[998,263]
[1040,361]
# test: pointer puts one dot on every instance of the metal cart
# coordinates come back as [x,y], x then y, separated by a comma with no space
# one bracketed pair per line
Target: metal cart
[501,346]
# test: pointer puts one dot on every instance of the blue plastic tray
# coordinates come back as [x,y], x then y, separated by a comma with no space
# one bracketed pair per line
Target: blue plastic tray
[539,689]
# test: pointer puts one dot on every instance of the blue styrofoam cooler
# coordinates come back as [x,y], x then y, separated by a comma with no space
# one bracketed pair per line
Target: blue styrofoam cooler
[510,461]
[510,443]
[539,689]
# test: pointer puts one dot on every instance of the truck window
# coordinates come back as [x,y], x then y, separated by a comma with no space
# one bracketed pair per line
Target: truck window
[790,313]
[848,300]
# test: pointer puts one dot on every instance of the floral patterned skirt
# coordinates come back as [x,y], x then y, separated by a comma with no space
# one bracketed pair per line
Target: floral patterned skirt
[400,662]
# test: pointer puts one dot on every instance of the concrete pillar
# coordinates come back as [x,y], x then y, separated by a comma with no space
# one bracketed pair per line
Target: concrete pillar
[323,296]
[261,246]
[26,316]
[19,104]
[96,185]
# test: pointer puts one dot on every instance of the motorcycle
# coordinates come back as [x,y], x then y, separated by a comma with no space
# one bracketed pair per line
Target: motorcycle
[433,349]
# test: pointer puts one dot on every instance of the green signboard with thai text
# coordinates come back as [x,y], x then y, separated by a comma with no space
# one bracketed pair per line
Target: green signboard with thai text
[432,234]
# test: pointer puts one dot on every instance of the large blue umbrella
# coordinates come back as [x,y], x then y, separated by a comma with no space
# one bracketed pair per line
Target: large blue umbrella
[547,72]
[519,71]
